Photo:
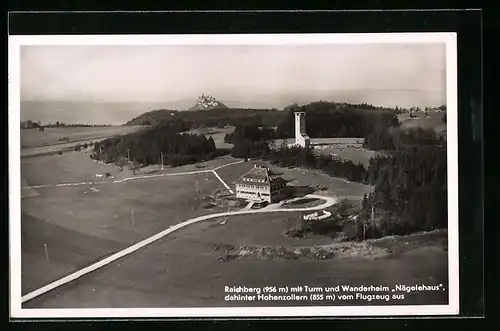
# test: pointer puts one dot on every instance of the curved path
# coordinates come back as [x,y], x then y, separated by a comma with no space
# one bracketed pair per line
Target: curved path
[329,201]
[213,171]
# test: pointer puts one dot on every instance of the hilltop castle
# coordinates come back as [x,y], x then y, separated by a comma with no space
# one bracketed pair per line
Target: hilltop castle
[207,101]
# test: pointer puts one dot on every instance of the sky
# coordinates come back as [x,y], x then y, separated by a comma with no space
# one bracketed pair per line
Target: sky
[233,73]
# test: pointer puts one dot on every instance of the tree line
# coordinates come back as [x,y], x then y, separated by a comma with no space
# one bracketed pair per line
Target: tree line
[249,132]
[323,119]
[396,138]
[147,147]
[410,193]
[410,190]
[75,125]
[30,124]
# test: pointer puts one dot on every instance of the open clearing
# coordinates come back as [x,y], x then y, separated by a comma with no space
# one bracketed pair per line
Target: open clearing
[51,136]
[79,167]
[350,149]
[434,121]
[217,135]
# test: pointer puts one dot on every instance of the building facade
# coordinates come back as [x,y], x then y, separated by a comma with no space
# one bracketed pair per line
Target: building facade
[260,184]
[301,137]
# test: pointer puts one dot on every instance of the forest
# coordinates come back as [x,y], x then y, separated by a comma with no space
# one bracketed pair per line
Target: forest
[323,117]
[146,147]
[249,132]
[331,120]
[410,193]
[396,138]
[30,124]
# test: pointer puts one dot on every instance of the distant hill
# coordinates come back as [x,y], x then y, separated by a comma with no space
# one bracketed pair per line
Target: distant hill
[220,117]
[216,117]
[153,117]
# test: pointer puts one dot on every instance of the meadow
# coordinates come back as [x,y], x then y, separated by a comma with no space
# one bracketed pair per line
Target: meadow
[217,135]
[185,270]
[350,149]
[434,121]
[81,224]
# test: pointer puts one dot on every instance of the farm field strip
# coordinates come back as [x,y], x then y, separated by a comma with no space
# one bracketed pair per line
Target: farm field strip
[33,138]
[329,201]
[72,142]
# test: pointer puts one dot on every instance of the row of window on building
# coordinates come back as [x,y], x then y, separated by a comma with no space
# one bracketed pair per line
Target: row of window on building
[254,180]
[254,186]
[253,193]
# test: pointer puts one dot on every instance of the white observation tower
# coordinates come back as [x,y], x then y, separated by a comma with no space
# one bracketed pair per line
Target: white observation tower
[301,137]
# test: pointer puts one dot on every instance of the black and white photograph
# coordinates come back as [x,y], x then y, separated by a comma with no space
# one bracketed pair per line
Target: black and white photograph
[233,175]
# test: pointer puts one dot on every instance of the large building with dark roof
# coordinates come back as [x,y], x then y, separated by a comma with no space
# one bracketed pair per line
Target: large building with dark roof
[260,184]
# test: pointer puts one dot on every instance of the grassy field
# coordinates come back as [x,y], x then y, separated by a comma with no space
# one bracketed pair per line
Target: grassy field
[73,251]
[217,134]
[78,167]
[435,121]
[184,270]
[51,136]
[344,148]
[303,203]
